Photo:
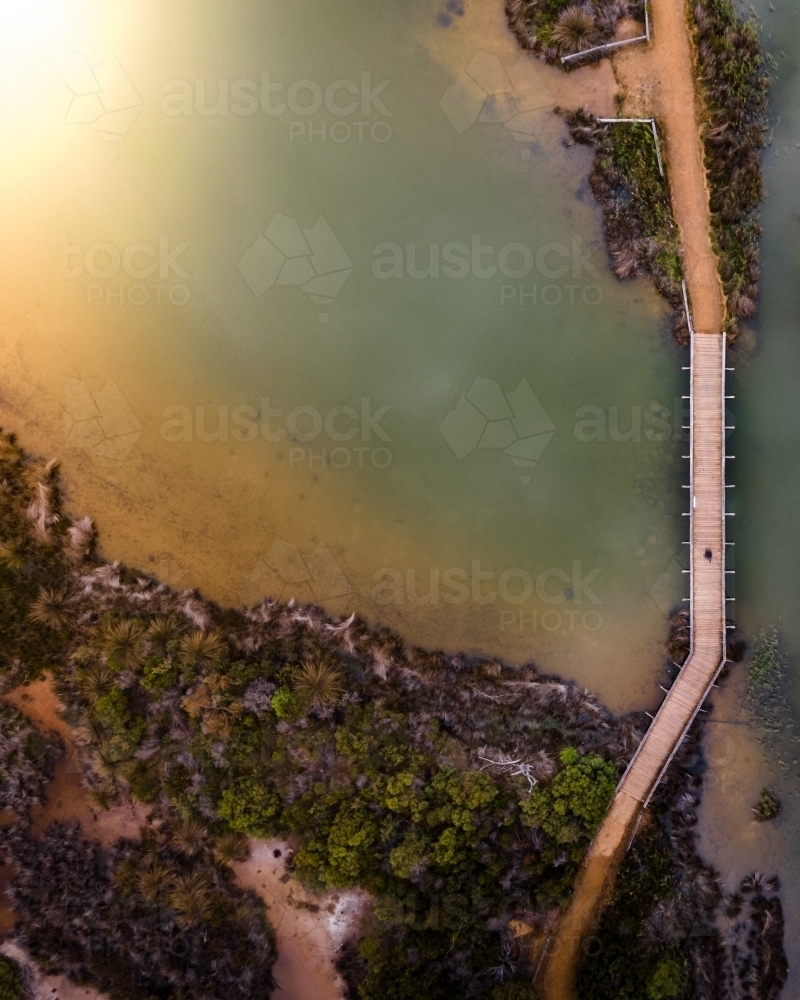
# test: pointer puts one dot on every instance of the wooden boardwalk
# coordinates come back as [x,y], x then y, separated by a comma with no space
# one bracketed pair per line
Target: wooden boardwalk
[663,76]
[707,573]
[691,687]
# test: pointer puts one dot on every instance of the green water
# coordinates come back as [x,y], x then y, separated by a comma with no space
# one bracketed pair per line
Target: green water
[553,557]
[766,528]
[375,510]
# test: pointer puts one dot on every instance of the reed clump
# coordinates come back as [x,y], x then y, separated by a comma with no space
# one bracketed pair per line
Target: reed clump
[768,807]
[555,28]
[642,237]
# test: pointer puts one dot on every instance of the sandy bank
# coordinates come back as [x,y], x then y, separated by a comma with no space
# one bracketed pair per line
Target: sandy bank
[309,929]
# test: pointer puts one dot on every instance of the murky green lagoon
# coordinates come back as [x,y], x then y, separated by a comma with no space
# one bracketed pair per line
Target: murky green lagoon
[767,523]
[306,308]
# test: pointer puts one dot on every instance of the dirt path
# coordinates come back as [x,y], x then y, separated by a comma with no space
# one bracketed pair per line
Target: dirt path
[659,80]
[593,884]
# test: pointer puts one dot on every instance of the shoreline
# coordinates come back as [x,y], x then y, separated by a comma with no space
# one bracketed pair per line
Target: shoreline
[217,721]
[669,64]
[108,608]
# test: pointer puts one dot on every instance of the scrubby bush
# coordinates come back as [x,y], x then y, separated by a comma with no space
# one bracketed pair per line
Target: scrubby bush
[26,761]
[11,987]
[571,809]
[153,918]
[250,806]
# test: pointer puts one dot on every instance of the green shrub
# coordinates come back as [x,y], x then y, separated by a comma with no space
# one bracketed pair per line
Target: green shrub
[571,808]
[10,980]
[668,980]
[284,703]
[251,806]
[352,842]
[159,675]
[769,806]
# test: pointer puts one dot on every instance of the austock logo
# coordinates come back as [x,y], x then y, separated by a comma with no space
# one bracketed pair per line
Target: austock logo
[102,97]
[312,104]
[285,573]
[486,92]
[102,423]
[312,259]
[513,422]
[153,270]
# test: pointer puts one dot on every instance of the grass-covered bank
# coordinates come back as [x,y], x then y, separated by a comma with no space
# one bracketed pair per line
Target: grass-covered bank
[641,235]
[460,792]
[734,83]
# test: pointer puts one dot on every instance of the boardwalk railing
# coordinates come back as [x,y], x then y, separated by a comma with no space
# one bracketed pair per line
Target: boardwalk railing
[707,547]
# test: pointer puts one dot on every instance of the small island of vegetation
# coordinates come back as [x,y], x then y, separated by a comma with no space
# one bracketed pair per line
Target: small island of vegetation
[626,178]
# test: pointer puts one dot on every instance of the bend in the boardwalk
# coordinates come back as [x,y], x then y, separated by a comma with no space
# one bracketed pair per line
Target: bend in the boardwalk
[672,56]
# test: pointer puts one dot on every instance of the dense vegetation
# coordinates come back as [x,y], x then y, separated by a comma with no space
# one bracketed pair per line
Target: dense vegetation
[459,792]
[26,761]
[669,931]
[160,917]
[555,28]
[641,235]
[406,773]
[11,984]
[734,84]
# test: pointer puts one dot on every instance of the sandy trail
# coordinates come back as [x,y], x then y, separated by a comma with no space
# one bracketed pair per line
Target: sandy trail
[660,80]
[591,891]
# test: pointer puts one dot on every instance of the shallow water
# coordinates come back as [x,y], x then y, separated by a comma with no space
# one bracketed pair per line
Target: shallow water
[362,522]
[766,528]
[341,477]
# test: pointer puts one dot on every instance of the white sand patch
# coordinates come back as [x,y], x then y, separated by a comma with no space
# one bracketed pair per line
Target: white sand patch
[309,929]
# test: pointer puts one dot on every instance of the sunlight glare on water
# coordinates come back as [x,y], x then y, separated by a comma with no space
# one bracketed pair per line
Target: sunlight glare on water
[311,301]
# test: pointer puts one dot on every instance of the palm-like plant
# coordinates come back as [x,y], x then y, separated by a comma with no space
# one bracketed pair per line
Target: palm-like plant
[191,897]
[12,555]
[575,29]
[231,846]
[189,835]
[126,873]
[110,767]
[752,882]
[155,880]
[318,682]
[122,641]
[51,608]
[202,649]
[103,797]
[164,629]
[96,681]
